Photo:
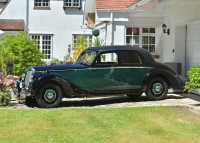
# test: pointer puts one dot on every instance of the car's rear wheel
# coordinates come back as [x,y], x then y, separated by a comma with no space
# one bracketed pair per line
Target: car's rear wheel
[157,89]
[49,95]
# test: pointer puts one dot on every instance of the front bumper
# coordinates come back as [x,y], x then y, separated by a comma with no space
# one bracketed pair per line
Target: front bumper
[23,94]
[20,90]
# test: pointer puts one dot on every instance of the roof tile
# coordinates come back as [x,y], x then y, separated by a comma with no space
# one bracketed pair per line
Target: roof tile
[15,25]
[115,4]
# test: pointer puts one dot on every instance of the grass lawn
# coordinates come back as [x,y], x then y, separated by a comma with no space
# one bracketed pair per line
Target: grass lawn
[100,125]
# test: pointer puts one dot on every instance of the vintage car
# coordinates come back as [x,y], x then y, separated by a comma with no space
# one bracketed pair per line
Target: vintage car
[106,70]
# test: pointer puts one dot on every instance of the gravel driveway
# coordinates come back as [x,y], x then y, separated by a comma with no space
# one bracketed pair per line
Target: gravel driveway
[191,101]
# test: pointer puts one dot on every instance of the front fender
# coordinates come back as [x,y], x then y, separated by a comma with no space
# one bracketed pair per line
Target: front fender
[66,85]
[173,80]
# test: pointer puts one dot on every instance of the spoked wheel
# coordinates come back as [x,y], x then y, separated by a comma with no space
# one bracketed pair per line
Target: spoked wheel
[157,89]
[49,96]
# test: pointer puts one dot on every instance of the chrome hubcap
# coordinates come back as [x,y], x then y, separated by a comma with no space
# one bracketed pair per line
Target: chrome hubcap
[157,88]
[50,95]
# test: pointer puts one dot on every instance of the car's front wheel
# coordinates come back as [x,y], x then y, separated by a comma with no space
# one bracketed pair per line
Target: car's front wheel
[157,89]
[49,95]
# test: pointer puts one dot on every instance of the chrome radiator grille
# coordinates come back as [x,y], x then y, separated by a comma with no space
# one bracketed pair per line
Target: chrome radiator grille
[28,75]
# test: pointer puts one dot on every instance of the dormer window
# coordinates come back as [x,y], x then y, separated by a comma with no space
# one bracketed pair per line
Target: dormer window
[42,3]
[72,3]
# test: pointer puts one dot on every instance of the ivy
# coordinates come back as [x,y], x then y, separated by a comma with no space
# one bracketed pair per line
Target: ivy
[194,79]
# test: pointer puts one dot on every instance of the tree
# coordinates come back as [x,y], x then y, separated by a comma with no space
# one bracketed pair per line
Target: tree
[22,51]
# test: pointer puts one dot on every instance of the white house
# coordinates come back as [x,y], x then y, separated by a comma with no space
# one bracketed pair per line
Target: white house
[139,23]
[54,24]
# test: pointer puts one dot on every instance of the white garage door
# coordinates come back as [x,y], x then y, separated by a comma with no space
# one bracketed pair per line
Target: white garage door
[193,45]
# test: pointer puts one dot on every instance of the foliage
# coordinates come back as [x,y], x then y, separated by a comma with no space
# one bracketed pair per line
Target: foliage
[23,50]
[80,46]
[100,125]
[98,42]
[6,55]
[194,79]
[5,98]
[6,86]
[54,60]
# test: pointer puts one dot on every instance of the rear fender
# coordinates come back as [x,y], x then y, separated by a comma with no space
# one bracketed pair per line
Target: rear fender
[173,80]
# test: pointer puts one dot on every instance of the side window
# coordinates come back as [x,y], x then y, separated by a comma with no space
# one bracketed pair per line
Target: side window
[107,58]
[128,57]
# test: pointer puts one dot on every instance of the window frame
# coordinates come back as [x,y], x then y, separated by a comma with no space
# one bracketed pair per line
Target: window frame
[41,44]
[72,4]
[97,62]
[141,35]
[42,7]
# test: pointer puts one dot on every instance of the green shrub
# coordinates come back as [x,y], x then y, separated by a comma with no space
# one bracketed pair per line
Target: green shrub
[5,98]
[194,79]
[23,50]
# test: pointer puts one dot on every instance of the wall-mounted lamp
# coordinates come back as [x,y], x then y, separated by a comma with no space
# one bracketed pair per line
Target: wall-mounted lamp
[165,30]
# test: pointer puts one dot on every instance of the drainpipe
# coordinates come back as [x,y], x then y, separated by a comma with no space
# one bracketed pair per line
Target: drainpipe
[111,24]
[27,15]
[185,72]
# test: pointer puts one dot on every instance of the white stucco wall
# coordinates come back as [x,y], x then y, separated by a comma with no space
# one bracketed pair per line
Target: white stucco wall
[180,46]
[116,29]
[193,45]
[16,9]
[59,22]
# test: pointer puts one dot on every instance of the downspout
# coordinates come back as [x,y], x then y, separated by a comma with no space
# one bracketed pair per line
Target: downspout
[112,35]
[27,15]
[185,50]
[111,25]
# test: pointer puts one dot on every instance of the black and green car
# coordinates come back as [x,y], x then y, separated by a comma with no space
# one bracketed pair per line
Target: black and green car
[106,70]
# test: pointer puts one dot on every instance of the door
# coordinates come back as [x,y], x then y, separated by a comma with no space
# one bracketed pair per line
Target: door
[132,71]
[102,75]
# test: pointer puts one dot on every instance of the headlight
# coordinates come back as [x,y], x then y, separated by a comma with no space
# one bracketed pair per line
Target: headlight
[31,78]
[21,85]
[23,76]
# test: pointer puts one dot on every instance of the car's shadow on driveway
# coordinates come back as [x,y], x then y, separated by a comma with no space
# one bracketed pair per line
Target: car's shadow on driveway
[98,101]
[88,102]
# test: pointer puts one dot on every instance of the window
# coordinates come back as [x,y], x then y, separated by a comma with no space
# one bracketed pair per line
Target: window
[148,43]
[42,3]
[132,36]
[107,58]
[141,37]
[72,3]
[128,57]
[78,37]
[44,44]
[86,57]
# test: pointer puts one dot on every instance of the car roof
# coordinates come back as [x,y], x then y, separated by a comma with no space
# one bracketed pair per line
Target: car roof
[145,53]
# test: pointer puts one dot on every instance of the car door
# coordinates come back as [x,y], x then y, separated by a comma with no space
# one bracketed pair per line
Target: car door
[132,71]
[101,75]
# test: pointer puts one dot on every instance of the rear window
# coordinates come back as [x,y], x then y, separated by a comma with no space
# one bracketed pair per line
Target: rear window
[129,57]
